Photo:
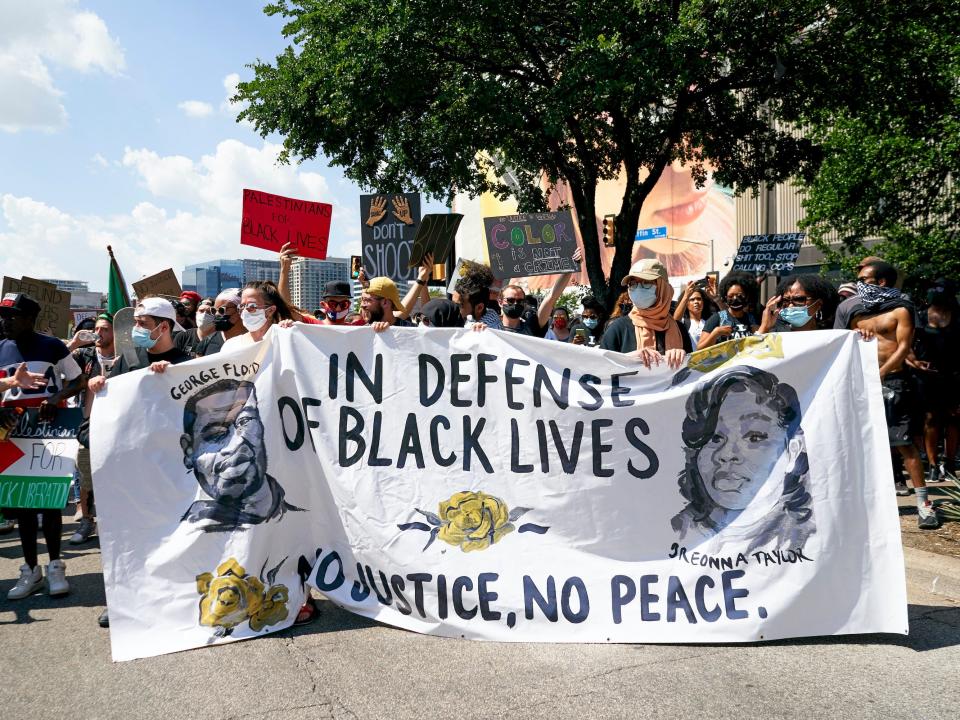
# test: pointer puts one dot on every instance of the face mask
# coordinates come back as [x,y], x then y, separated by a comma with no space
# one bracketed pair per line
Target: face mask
[334,316]
[512,311]
[643,297]
[142,337]
[796,316]
[204,320]
[255,320]
[223,323]
[560,323]
[873,296]
[590,323]
[736,304]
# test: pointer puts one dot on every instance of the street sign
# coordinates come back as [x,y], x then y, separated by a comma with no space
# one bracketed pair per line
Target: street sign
[651,233]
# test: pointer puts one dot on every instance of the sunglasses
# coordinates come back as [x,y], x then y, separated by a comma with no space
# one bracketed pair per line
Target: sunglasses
[641,283]
[736,298]
[252,307]
[511,301]
[795,300]
[337,304]
[222,310]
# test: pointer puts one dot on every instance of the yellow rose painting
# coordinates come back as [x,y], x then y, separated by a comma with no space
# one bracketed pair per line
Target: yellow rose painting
[232,597]
[471,520]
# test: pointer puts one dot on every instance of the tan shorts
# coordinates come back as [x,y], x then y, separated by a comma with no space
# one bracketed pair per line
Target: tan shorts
[83,467]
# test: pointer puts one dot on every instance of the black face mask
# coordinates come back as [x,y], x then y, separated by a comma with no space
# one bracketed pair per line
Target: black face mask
[223,323]
[736,304]
[512,311]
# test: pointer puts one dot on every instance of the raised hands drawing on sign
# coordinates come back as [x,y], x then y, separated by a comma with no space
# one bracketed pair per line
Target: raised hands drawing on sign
[378,209]
[401,210]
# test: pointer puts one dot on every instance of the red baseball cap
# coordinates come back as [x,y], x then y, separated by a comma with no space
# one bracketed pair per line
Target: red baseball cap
[192,296]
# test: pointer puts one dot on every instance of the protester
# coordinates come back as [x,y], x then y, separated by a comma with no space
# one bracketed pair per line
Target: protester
[24,351]
[335,304]
[262,306]
[517,316]
[226,322]
[191,302]
[559,325]
[739,292]
[440,313]
[802,302]
[648,331]
[380,305]
[847,290]
[94,362]
[190,339]
[593,320]
[623,306]
[880,309]
[937,349]
[693,310]
[472,294]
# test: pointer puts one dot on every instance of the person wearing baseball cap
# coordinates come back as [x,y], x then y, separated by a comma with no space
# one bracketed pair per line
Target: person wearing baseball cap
[649,331]
[380,305]
[25,354]
[154,325]
[335,303]
[191,301]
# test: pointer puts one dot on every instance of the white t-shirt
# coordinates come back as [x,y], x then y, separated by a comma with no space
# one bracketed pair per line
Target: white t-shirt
[242,340]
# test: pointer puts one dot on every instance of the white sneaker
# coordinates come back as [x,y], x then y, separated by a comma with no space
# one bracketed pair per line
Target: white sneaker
[30,582]
[57,584]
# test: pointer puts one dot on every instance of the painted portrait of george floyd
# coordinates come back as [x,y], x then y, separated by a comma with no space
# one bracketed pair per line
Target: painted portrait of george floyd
[223,445]
[746,467]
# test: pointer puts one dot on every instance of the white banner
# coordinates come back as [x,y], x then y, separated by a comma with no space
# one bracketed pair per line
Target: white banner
[493,486]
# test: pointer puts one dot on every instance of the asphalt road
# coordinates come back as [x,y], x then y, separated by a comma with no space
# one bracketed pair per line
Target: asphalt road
[56,664]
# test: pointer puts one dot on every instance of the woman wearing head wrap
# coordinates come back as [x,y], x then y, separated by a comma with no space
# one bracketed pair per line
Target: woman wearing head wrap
[648,331]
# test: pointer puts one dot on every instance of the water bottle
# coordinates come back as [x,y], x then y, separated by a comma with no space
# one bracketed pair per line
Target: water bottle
[87,336]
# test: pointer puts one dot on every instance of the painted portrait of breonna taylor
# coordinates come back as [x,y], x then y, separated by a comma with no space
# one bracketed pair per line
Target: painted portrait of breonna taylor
[746,466]
[223,445]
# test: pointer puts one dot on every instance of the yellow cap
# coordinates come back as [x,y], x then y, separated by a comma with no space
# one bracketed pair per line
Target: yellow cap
[384,287]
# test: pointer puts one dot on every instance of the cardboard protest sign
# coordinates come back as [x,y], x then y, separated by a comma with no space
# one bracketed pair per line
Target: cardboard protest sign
[388,224]
[435,235]
[768,253]
[54,318]
[269,221]
[81,315]
[163,283]
[531,244]
[38,460]
[500,487]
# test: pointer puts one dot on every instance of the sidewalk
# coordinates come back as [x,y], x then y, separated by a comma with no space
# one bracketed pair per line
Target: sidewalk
[937,574]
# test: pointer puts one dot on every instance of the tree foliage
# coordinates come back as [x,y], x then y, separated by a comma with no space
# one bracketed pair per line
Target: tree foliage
[890,134]
[432,94]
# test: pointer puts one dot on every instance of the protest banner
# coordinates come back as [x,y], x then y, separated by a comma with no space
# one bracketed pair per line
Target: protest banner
[494,486]
[531,244]
[269,221]
[388,224]
[38,459]
[163,283]
[80,315]
[435,235]
[768,253]
[54,317]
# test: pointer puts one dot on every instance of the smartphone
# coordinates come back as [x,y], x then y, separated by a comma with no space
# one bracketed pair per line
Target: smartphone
[713,279]
[355,265]
[580,332]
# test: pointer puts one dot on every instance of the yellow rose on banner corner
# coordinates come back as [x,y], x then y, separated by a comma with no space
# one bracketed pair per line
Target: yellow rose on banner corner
[230,597]
[274,608]
[474,520]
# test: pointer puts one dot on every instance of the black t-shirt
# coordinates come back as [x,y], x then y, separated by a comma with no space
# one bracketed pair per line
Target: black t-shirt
[741,328]
[210,345]
[621,336]
[144,359]
[187,341]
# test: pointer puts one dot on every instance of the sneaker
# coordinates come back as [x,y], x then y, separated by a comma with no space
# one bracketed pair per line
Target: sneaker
[948,473]
[927,517]
[57,578]
[104,619]
[87,527]
[30,582]
[902,489]
[933,474]
[6,526]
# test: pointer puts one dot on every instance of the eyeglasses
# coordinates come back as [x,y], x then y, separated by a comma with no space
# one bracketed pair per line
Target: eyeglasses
[222,310]
[252,306]
[795,300]
[642,283]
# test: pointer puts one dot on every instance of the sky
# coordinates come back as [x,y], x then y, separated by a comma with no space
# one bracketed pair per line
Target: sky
[116,128]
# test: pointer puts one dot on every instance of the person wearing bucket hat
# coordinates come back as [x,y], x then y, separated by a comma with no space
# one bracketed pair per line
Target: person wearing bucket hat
[648,331]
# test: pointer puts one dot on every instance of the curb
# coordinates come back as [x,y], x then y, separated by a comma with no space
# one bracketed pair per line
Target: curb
[937,574]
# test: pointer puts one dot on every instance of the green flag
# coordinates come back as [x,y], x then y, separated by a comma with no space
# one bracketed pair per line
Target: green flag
[117,296]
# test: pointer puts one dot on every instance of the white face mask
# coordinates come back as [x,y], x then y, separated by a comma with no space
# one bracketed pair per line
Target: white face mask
[204,320]
[255,320]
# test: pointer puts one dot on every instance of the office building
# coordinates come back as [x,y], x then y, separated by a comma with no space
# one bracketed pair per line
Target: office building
[209,278]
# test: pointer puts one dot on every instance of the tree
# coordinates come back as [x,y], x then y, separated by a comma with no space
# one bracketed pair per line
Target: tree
[430,93]
[890,133]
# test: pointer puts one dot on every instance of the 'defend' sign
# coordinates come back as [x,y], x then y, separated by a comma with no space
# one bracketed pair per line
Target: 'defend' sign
[388,225]
[531,244]
[768,253]
[270,221]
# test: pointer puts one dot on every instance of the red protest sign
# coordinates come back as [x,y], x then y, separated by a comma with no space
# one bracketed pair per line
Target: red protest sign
[269,221]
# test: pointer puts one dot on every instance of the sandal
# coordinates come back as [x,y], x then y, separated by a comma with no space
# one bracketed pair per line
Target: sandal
[308,613]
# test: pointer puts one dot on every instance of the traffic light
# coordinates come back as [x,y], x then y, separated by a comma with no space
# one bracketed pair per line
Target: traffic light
[608,237]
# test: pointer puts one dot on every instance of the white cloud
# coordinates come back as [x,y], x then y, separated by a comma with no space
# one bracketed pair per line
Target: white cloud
[154,235]
[35,35]
[100,160]
[196,108]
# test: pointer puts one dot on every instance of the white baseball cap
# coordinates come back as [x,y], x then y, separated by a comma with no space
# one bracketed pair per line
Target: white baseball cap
[158,307]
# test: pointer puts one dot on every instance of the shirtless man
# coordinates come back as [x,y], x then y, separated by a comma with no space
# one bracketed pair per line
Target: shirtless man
[882,312]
